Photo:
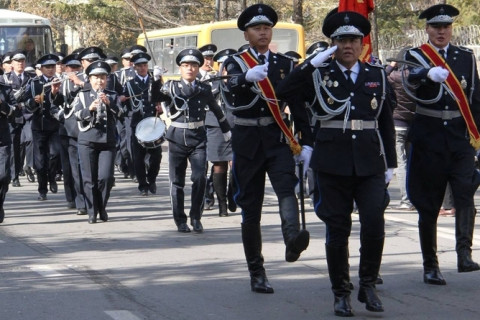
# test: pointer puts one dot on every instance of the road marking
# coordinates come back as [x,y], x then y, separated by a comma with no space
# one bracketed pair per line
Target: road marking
[121,315]
[45,271]
[1,241]
[446,233]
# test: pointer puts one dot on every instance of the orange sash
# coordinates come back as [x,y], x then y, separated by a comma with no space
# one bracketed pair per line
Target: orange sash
[454,85]
[267,90]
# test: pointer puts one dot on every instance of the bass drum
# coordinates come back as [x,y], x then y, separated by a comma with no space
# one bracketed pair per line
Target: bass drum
[150,132]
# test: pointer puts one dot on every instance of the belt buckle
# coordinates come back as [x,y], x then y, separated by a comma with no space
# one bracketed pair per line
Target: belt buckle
[447,115]
[357,124]
[191,125]
[261,122]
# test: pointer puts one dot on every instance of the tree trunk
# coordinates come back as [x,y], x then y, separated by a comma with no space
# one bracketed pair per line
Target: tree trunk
[298,11]
[374,32]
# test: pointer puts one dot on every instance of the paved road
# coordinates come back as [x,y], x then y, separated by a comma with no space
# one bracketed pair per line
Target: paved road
[54,265]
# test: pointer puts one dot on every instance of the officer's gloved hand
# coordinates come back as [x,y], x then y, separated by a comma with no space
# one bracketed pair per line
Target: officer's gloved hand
[257,73]
[227,136]
[321,57]
[388,175]
[304,157]
[437,74]
[157,73]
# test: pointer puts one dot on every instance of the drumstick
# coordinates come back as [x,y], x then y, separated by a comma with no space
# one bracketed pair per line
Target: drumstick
[156,116]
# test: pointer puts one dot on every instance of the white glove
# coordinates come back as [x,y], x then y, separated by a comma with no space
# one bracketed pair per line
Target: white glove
[227,136]
[157,72]
[304,157]
[437,74]
[257,73]
[321,57]
[388,175]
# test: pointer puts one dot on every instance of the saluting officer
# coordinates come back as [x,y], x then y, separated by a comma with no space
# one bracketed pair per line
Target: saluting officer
[444,136]
[187,100]
[138,91]
[260,141]
[8,105]
[42,94]
[72,177]
[354,153]
[96,111]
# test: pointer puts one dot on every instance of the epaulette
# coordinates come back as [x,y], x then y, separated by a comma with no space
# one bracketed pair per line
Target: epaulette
[465,49]
[283,55]
[375,65]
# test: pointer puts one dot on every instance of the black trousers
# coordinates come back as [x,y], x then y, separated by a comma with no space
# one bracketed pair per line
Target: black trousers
[178,157]
[5,176]
[97,165]
[46,157]
[68,180]
[249,178]
[143,158]
[15,155]
[27,144]
[334,197]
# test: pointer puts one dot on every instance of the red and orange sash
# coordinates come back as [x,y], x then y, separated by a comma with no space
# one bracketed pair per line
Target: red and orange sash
[267,90]
[454,85]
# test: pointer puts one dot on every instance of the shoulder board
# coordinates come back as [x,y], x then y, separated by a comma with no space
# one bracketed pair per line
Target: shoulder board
[283,55]
[375,65]
[465,49]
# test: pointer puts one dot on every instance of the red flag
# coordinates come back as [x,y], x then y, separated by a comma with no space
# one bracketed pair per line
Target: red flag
[364,7]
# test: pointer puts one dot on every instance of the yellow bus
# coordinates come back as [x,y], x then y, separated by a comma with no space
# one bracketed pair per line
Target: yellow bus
[165,44]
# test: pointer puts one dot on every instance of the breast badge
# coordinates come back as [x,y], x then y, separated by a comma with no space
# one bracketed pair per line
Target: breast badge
[374,103]
[463,83]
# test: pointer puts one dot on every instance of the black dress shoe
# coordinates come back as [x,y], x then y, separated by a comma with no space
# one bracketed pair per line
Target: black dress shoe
[379,279]
[182,227]
[465,262]
[197,226]
[143,193]
[42,197]
[92,219]
[259,283]
[81,212]
[58,177]
[434,276]
[16,183]
[297,245]
[342,307]
[71,205]
[53,187]
[2,215]
[152,188]
[368,295]
[30,175]
[104,216]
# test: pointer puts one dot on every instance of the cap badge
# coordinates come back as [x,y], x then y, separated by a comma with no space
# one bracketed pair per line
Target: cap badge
[260,10]
[442,11]
[346,19]
[190,51]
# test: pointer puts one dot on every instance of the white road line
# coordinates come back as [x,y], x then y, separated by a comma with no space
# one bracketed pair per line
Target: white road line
[121,315]
[446,233]
[45,271]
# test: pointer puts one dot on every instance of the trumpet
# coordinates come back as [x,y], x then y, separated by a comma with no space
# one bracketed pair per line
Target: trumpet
[62,79]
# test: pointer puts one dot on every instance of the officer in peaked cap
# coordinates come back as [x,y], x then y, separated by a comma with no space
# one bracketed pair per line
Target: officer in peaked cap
[72,60]
[96,111]
[113,62]
[433,134]
[206,70]
[137,48]
[255,15]
[190,56]
[348,92]
[222,55]
[41,98]
[315,47]
[255,125]
[187,101]
[140,106]
[6,62]
[91,54]
[208,50]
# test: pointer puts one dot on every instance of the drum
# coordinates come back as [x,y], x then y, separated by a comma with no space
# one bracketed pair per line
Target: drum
[150,133]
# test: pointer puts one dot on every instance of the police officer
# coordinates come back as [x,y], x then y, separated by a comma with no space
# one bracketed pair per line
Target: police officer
[354,152]
[8,105]
[42,94]
[187,101]
[72,177]
[259,143]
[18,80]
[138,91]
[448,106]
[96,111]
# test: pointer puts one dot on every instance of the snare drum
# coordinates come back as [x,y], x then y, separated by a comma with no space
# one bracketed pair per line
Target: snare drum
[150,133]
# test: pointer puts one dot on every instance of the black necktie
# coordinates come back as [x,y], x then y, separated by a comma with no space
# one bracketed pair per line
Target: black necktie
[349,79]
[261,58]
[442,53]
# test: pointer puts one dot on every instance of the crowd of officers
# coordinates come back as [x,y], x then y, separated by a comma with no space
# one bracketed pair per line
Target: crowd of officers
[79,113]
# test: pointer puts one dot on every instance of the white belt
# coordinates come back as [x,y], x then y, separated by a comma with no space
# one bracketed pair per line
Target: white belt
[351,124]
[254,122]
[188,125]
[441,114]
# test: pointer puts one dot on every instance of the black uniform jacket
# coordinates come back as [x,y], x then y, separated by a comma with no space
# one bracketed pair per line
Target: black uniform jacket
[194,107]
[248,139]
[349,152]
[436,133]
[17,119]
[7,105]
[43,118]
[65,112]
[139,103]
[101,129]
